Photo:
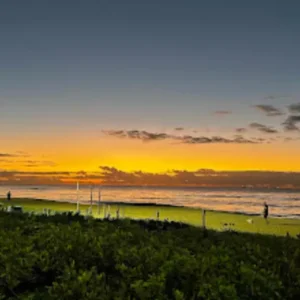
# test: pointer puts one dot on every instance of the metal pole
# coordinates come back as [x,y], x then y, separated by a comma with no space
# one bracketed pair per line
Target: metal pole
[203,218]
[91,199]
[77,196]
[118,212]
[108,209]
[104,211]
[99,199]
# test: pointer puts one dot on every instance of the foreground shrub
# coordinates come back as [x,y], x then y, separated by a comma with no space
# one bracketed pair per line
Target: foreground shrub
[68,257]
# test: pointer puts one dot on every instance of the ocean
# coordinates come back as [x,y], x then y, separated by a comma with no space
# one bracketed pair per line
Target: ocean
[282,203]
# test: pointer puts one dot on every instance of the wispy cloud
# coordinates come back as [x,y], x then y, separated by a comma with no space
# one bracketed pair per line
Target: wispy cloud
[290,139]
[215,140]
[13,155]
[294,108]
[179,129]
[241,130]
[7,155]
[138,135]
[223,112]
[112,176]
[185,139]
[273,97]
[207,177]
[38,163]
[269,110]
[263,128]
[290,124]
[12,159]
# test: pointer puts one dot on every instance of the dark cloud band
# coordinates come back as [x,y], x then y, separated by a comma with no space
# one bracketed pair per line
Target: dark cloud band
[269,110]
[290,124]
[185,139]
[263,128]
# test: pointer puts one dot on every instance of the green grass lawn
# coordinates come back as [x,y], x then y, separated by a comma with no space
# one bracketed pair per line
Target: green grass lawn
[214,220]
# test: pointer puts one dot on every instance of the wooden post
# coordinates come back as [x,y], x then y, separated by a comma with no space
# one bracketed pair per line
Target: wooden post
[203,219]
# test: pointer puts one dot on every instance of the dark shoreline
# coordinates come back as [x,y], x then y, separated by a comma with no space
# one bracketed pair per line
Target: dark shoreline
[231,188]
[149,204]
[138,204]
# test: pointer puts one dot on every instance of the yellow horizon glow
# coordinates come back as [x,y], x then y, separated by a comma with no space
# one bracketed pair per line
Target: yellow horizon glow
[88,152]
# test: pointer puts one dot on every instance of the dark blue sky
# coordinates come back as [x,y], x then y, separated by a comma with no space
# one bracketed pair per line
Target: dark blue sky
[143,64]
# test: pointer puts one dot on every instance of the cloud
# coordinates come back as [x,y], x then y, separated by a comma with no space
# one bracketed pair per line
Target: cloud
[138,135]
[7,155]
[13,155]
[263,128]
[290,139]
[38,163]
[269,110]
[108,175]
[36,173]
[294,108]
[35,178]
[200,177]
[271,97]
[8,159]
[215,140]
[185,139]
[241,130]
[223,112]
[290,123]
[179,129]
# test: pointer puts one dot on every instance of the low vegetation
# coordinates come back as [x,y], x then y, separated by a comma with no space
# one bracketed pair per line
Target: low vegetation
[70,257]
[193,216]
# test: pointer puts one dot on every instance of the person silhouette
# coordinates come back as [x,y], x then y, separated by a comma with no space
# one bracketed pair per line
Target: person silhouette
[8,196]
[266,211]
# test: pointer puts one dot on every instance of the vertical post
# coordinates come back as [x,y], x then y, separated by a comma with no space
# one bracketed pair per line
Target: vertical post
[203,219]
[77,196]
[91,210]
[108,210]
[118,212]
[99,199]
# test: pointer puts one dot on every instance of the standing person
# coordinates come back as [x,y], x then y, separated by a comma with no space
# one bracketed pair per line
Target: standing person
[8,196]
[266,212]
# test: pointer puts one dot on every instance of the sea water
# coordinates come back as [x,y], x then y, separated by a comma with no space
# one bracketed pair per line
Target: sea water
[282,203]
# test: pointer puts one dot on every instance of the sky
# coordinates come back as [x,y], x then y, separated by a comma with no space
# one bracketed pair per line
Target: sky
[148,86]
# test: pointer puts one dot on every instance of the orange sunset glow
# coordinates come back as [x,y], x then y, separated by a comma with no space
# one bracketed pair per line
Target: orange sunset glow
[149,97]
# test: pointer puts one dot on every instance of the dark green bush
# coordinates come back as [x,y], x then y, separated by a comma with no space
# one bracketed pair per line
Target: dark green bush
[68,257]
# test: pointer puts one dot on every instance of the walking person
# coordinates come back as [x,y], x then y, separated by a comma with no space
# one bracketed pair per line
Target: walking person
[8,196]
[266,212]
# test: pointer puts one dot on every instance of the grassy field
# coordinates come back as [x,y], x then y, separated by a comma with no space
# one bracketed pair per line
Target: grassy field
[214,220]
